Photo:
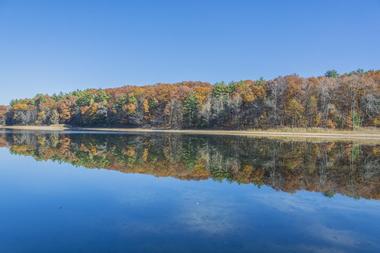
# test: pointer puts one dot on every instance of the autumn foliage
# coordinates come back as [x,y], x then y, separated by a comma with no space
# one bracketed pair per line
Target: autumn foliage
[332,101]
[3,110]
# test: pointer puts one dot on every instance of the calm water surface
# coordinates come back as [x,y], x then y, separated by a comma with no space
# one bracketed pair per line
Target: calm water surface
[78,192]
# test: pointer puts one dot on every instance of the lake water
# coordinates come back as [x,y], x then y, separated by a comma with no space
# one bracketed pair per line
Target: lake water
[87,192]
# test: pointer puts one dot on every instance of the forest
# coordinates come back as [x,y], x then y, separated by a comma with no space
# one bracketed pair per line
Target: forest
[327,167]
[343,101]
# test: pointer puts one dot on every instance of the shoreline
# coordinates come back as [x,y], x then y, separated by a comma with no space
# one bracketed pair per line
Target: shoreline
[369,135]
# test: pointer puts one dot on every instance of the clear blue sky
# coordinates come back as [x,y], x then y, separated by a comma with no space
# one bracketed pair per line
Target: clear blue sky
[52,46]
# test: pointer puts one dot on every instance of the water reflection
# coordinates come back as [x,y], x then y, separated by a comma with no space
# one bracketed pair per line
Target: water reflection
[328,167]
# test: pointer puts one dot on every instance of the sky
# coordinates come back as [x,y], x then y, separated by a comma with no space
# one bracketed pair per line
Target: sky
[53,46]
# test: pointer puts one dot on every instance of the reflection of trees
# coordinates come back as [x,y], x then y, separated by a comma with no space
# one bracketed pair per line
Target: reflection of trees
[339,167]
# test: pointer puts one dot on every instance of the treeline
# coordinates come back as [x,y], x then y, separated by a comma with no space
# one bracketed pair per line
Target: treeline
[341,167]
[332,101]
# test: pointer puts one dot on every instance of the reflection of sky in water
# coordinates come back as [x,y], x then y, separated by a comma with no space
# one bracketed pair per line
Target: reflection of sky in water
[51,207]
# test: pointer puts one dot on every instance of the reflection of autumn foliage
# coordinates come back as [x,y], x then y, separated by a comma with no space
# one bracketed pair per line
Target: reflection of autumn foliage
[200,169]
[22,149]
[335,167]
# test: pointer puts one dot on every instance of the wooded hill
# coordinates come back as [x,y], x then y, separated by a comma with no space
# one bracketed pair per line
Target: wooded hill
[333,101]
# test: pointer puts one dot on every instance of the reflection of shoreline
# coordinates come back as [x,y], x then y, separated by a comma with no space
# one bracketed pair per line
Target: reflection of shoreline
[329,167]
[363,135]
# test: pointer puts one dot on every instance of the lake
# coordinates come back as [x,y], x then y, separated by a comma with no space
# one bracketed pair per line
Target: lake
[104,192]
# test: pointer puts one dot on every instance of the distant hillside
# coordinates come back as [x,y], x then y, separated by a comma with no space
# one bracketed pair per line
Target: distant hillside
[333,101]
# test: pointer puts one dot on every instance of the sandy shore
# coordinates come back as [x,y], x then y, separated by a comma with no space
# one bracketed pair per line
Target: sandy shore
[372,135]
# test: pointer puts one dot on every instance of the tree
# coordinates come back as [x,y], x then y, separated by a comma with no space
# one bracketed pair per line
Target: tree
[3,112]
[190,107]
[295,112]
[331,73]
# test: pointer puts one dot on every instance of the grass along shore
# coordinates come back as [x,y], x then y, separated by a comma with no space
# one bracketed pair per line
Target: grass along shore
[368,134]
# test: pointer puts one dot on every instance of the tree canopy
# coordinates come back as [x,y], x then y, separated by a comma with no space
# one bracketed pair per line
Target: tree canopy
[342,101]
